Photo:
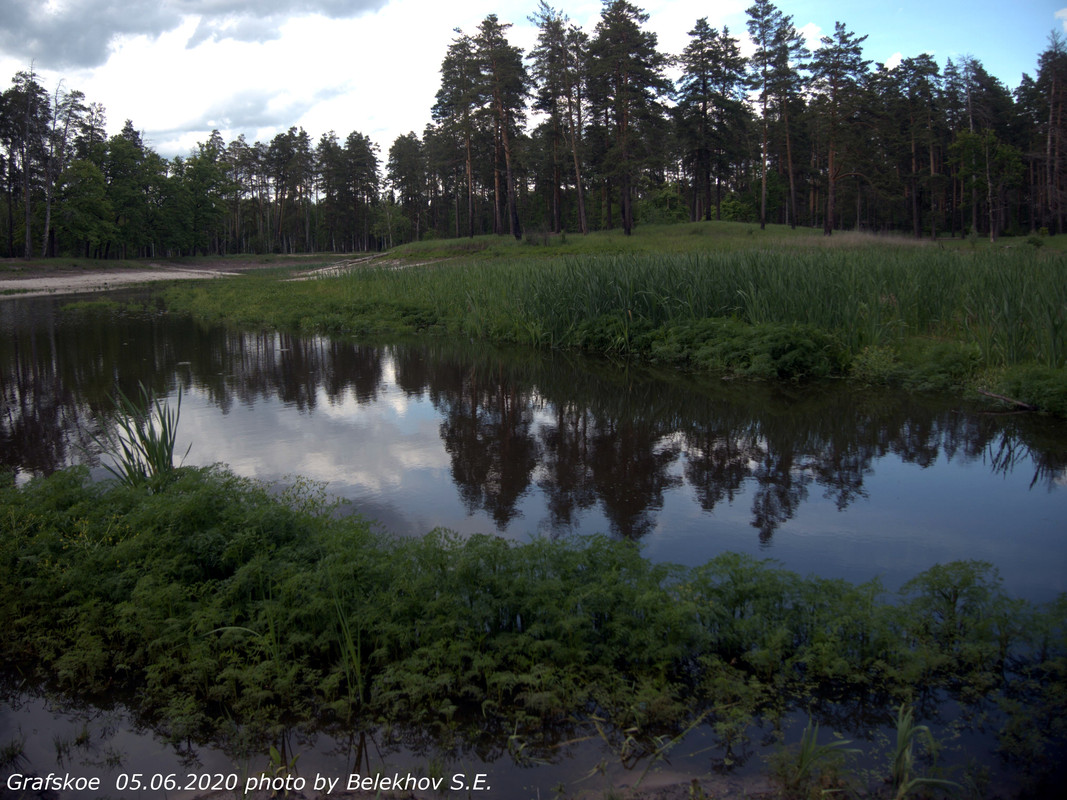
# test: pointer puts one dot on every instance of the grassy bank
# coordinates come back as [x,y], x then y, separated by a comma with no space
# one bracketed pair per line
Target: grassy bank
[722,298]
[219,608]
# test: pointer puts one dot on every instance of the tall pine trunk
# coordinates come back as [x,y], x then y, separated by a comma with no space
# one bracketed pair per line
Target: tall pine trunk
[789,166]
[831,191]
[574,118]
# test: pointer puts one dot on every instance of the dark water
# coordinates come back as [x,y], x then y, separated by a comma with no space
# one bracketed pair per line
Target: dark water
[824,479]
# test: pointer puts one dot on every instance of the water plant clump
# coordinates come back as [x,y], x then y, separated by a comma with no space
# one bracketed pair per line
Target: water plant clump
[141,443]
[811,769]
[214,602]
[902,766]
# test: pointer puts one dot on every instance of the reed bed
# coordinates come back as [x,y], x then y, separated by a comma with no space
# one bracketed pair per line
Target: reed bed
[1012,305]
[917,316]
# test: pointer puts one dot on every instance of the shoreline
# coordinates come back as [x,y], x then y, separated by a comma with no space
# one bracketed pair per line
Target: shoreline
[86,283]
[38,278]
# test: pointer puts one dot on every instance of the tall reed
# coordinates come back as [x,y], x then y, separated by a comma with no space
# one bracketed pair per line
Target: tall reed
[141,445]
[1013,305]
[1008,304]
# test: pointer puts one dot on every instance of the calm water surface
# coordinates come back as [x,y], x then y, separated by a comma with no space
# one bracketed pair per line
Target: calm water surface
[825,479]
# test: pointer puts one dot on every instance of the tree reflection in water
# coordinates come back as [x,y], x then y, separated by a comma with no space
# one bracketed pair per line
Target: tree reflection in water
[580,433]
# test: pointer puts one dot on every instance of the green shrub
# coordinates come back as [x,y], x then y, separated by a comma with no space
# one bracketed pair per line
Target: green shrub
[875,365]
[1039,386]
[940,366]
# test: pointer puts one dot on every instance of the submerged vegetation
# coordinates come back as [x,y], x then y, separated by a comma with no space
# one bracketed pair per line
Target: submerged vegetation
[225,610]
[736,303]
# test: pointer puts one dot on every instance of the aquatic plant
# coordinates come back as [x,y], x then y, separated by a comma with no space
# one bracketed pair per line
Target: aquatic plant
[216,604]
[13,752]
[141,445]
[902,760]
[803,771]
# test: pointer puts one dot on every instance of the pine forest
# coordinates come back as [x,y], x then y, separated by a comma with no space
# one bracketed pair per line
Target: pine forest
[590,130]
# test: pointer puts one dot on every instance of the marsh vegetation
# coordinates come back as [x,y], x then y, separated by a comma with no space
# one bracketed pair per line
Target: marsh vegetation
[712,297]
[227,611]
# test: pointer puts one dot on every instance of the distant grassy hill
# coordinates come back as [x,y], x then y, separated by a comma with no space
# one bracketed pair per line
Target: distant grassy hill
[693,237]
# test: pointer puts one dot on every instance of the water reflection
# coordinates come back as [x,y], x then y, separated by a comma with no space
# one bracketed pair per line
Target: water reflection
[529,442]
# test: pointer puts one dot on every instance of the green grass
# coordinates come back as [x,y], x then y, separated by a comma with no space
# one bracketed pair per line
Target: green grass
[691,237]
[652,239]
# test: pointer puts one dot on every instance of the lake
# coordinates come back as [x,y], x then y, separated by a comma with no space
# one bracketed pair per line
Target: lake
[825,479]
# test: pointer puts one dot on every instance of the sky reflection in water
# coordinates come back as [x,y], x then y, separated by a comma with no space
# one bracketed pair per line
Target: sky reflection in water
[823,479]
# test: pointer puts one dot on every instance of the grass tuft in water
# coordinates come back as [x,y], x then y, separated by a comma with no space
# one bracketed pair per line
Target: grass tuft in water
[811,768]
[902,767]
[141,445]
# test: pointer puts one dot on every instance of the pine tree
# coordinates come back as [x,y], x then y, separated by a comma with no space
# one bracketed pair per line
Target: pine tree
[838,68]
[627,79]
[775,72]
[407,176]
[457,100]
[558,85]
[1052,85]
[26,140]
[68,108]
[503,85]
[710,110]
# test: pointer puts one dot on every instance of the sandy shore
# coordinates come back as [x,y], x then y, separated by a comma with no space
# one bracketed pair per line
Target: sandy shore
[35,278]
[31,279]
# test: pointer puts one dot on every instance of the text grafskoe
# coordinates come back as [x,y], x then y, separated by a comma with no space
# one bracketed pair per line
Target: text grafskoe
[51,783]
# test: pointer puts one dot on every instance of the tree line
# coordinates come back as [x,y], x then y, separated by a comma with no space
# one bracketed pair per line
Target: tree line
[585,132]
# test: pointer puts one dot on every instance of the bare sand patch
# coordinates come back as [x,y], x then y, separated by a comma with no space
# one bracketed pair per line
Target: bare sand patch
[80,282]
[47,276]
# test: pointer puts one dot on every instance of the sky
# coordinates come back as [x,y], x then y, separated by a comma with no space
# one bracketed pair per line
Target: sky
[180,68]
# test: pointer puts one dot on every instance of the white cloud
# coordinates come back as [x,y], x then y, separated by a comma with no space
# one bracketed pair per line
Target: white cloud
[812,34]
[672,20]
[1062,15]
[81,33]
[894,60]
